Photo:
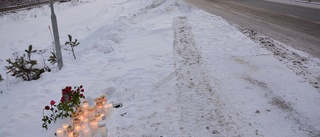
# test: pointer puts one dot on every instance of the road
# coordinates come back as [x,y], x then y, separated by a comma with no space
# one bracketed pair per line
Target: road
[294,26]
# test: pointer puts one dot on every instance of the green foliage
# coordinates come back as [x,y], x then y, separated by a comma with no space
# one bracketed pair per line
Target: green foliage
[22,66]
[70,100]
[53,58]
[72,44]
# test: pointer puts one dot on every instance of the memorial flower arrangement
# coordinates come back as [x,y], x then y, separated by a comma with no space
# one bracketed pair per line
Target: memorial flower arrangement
[70,100]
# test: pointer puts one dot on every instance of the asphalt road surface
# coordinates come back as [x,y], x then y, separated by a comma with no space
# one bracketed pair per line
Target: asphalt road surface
[295,26]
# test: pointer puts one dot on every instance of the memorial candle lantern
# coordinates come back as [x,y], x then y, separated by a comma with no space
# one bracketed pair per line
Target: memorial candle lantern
[65,126]
[81,115]
[76,122]
[78,128]
[107,109]
[60,132]
[103,98]
[70,131]
[76,134]
[87,132]
[74,115]
[93,124]
[99,107]
[85,105]
[91,112]
[98,117]
[103,129]
[79,108]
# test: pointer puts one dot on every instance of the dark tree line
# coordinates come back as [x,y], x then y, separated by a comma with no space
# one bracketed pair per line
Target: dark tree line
[9,3]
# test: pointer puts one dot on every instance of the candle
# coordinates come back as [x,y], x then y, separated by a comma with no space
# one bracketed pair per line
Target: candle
[103,129]
[91,112]
[85,105]
[107,109]
[80,115]
[70,131]
[60,132]
[79,107]
[74,115]
[76,122]
[103,99]
[98,117]
[76,134]
[87,132]
[94,125]
[65,126]
[78,128]
[99,107]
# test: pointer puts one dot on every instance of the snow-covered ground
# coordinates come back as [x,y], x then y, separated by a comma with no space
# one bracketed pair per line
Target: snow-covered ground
[177,70]
[304,3]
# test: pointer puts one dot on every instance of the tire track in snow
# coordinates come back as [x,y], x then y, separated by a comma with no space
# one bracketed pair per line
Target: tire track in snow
[199,104]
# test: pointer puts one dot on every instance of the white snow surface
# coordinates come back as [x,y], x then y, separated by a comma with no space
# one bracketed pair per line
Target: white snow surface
[178,71]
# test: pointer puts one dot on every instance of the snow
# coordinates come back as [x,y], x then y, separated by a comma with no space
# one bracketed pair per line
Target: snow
[178,71]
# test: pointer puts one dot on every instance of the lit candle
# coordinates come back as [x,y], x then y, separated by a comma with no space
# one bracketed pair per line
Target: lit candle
[60,132]
[85,121]
[98,117]
[76,134]
[70,131]
[74,115]
[87,132]
[107,109]
[80,115]
[91,112]
[103,129]
[103,99]
[76,122]
[78,128]
[94,125]
[65,126]
[99,107]
[85,105]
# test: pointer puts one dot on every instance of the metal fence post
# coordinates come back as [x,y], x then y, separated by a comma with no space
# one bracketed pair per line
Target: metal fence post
[56,36]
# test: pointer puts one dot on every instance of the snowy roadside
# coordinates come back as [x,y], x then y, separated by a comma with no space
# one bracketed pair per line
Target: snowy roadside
[303,3]
[177,70]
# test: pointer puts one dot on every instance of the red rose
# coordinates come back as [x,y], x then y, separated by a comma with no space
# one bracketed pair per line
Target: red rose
[81,95]
[52,102]
[47,107]
[82,90]
[62,99]
[81,86]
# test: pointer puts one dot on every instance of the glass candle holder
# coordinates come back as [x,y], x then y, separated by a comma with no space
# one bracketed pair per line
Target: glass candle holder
[103,98]
[87,132]
[103,129]
[65,126]
[70,131]
[76,134]
[79,108]
[85,105]
[81,115]
[98,117]
[93,125]
[60,132]
[77,128]
[91,112]
[99,107]
[74,115]
[76,122]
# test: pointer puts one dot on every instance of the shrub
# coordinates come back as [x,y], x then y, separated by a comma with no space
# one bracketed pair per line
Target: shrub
[24,66]
[72,44]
